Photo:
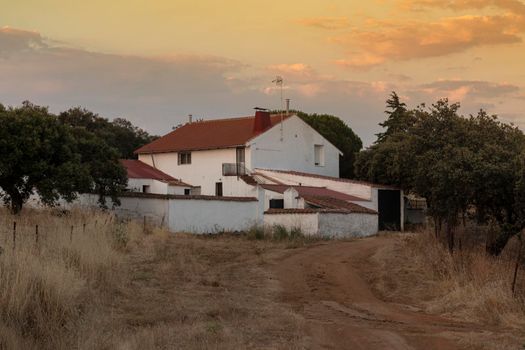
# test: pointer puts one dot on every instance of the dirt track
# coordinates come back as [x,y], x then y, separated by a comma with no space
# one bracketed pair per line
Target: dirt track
[325,284]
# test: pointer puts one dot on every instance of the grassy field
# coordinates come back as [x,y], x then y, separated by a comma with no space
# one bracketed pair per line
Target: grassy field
[91,282]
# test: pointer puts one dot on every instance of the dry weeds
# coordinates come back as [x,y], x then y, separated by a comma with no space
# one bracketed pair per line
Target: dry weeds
[468,286]
[113,287]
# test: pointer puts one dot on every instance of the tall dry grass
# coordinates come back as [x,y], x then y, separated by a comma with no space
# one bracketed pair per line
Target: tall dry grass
[469,284]
[46,286]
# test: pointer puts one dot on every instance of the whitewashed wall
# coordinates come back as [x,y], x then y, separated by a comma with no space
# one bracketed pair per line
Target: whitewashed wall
[307,222]
[205,170]
[345,225]
[212,216]
[327,224]
[135,185]
[357,189]
[295,151]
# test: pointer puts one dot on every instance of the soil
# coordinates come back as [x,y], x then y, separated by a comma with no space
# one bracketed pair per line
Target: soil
[327,285]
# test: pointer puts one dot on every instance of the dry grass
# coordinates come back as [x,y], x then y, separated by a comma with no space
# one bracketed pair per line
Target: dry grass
[468,286]
[114,286]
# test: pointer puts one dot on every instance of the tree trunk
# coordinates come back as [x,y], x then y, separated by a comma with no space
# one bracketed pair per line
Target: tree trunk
[16,202]
[450,238]
[496,246]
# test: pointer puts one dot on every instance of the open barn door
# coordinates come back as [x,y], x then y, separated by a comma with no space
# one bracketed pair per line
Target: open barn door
[389,209]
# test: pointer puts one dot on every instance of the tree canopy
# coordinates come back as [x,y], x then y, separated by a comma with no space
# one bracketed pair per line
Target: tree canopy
[340,135]
[61,156]
[119,134]
[460,165]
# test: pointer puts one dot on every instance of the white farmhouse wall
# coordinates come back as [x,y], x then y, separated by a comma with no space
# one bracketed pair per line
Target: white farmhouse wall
[337,225]
[306,222]
[204,171]
[348,225]
[212,216]
[295,151]
[155,186]
[357,189]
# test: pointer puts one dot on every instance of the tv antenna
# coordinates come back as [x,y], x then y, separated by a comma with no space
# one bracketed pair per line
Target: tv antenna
[278,81]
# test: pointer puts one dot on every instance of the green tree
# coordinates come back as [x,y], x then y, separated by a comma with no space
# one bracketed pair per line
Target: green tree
[38,156]
[119,134]
[399,118]
[340,135]
[45,156]
[457,164]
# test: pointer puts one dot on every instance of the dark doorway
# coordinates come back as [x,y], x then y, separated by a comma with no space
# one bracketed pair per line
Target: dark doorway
[389,209]
[218,189]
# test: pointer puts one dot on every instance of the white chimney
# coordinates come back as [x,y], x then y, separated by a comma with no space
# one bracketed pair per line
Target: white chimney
[190,118]
[287,106]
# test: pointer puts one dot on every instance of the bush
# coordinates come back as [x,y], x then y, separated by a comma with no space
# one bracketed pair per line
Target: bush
[280,233]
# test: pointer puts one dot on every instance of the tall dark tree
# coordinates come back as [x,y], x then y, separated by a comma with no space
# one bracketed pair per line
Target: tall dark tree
[340,135]
[399,118]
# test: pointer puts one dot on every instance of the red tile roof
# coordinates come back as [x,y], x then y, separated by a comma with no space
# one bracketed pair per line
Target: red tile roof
[140,170]
[190,197]
[298,173]
[209,134]
[306,211]
[337,204]
[311,191]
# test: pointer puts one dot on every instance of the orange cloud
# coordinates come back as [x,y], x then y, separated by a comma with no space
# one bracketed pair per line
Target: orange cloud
[292,70]
[396,40]
[515,6]
[362,62]
[330,23]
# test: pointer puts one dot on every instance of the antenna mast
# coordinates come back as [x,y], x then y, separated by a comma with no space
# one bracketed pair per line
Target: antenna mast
[279,82]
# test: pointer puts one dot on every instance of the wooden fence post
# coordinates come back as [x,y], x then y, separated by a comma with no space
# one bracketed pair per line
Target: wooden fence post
[84,228]
[516,267]
[14,235]
[36,234]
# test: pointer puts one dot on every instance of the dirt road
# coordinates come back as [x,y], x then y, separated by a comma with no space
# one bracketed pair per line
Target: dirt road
[326,285]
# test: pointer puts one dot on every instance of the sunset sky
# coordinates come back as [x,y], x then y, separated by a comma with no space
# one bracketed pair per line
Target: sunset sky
[156,61]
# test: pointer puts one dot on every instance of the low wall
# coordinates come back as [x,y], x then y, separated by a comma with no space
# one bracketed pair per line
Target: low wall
[307,222]
[192,214]
[324,223]
[344,225]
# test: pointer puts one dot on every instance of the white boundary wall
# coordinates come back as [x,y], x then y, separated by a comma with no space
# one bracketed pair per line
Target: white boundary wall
[327,224]
[192,215]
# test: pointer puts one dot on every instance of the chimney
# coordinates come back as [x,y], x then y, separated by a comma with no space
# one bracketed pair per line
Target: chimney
[190,118]
[287,106]
[262,121]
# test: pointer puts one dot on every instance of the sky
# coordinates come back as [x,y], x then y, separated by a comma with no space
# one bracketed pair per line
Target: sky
[156,61]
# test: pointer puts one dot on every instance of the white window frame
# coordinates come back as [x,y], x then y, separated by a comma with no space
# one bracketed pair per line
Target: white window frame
[184,158]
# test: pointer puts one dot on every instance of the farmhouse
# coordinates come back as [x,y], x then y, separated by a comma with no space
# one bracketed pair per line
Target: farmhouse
[229,174]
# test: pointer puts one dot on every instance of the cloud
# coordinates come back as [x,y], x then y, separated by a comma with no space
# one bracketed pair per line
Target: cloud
[294,70]
[329,23]
[361,62]
[458,90]
[417,39]
[15,40]
[515,6]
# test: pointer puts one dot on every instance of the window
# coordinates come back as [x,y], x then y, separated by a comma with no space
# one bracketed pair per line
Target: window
[184,158]
[218,189]
[319,155]
[187,191]
[276,203]
[145,189]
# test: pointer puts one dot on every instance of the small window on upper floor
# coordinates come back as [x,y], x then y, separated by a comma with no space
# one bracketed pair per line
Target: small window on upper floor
[184,158]
[319,155]
[146,189]
[187,191]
